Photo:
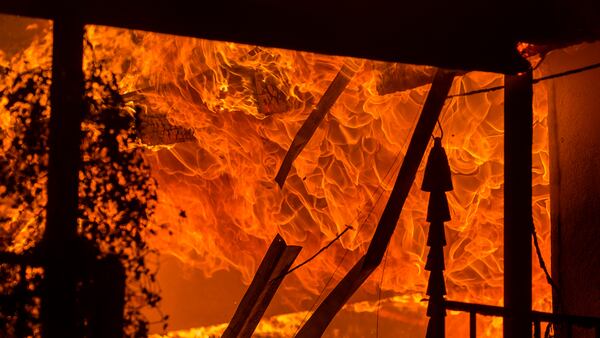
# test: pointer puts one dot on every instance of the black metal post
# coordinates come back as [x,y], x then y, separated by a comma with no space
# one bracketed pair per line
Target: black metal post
[59,312]
[518,124]
[473,324]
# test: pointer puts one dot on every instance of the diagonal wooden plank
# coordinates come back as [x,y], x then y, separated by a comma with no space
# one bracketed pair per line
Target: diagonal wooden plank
[430,113]
[276,262]
[333,92]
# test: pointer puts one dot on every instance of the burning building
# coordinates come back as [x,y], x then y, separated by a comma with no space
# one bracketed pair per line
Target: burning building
[278,134]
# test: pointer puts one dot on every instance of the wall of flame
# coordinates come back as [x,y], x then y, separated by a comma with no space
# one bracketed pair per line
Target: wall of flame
[224,180]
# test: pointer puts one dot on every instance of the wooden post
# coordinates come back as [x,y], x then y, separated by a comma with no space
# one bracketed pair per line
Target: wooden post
[59,314]
[268,277]
[430,113]
[518,124]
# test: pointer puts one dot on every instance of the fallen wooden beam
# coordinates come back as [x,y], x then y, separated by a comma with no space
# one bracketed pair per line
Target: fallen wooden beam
[315,118]
[276,262]
[155,129]
[430,113]
[258,83]
[398,77]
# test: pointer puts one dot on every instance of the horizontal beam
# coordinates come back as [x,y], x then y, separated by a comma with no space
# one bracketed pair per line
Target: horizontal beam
[12,258]
[473,36]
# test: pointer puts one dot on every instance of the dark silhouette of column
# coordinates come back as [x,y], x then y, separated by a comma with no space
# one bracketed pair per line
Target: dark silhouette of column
[518,138]
[59,314]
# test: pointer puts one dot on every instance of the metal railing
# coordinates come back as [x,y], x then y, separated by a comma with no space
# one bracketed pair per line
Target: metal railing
[537,317]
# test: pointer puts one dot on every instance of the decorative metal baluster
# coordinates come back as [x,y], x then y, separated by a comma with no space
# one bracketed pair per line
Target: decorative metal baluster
[437,180]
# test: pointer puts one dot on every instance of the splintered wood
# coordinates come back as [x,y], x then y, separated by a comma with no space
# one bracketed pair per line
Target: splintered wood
[268,277]
[269,98]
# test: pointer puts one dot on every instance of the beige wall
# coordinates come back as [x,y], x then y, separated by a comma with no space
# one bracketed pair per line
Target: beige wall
[574,109]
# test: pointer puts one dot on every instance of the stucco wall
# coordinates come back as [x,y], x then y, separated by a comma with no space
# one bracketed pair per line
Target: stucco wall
[574,108]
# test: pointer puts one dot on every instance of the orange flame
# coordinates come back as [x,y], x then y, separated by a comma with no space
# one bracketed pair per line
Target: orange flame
[245,104]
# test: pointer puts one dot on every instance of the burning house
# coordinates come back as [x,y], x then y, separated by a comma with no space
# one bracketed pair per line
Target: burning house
[317,169]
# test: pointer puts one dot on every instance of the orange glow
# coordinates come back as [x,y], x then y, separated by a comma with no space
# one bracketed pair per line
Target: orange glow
[245,104]
[37,55]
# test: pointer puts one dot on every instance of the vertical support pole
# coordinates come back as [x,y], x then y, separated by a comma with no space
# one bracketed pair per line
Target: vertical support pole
[473,324]
[59,311]
[537,329]
[518,138]
[21,292]
[569,327]
[108,294]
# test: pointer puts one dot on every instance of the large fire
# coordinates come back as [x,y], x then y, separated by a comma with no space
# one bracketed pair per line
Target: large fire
[244,105]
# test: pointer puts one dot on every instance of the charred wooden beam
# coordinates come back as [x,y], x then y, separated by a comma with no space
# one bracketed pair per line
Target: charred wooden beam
[269,98]
[518,140]
[155,129]
[430,113]
[398,77]
[276,262]
[414,154]
[333,92]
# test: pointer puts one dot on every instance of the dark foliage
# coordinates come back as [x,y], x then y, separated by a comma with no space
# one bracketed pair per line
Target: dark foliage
[23,168]
[117,194]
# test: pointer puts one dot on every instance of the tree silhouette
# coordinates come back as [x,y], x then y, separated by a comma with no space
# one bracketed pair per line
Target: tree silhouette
[117,194]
